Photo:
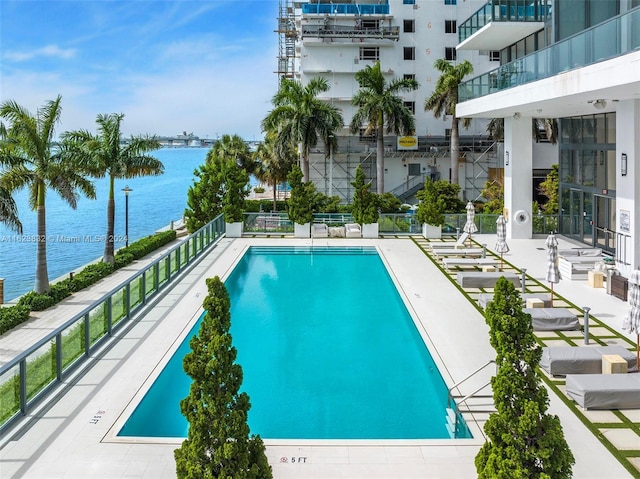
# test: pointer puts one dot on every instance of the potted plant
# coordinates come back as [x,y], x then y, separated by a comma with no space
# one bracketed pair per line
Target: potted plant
[434,199]
[235,190]
[365,206]
[299,205]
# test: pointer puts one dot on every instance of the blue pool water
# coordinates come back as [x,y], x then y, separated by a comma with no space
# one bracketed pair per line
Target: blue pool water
[328,350]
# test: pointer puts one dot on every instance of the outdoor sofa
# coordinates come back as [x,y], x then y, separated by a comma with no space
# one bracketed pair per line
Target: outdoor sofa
[553,319]
[485,298]
[605,391]
[352,230]
[478,279]
[577,262]
[563,360]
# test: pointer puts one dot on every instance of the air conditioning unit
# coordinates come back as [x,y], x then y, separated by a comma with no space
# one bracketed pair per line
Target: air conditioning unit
[356,61]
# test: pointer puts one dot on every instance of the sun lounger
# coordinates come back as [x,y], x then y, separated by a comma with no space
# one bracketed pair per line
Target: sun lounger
[553,319]
[477,279]
[468,262]
[319,230]
[605,391]
[485,298]
[459,252]
[563,360]
[450,244]
[352,230]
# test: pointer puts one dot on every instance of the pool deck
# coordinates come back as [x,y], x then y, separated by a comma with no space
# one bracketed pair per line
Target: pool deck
[74,436]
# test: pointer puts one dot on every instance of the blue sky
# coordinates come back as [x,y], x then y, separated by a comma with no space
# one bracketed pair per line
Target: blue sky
[201,66]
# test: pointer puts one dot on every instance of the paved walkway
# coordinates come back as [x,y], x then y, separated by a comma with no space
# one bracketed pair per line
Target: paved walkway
[81,424]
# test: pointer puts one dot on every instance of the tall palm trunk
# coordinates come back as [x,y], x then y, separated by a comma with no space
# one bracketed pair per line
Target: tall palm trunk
[304,160]
[42,273]
[455,150]
[108,256]
[380,158]
[275,194]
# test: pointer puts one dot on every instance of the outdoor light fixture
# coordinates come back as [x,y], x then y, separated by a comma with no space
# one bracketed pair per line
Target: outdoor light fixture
[600,104]
[126,190]
[506,158]
[516,115]
[623,164]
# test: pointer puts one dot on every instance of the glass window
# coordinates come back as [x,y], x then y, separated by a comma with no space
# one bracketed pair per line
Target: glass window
[494,55]
[408,2]
[588,129]
[411,105]
[611,128]
[601,170]
[588,165]
[370,53]
[450,53]
[450,2]
[601,129]
[449,26]
[409,76]
[409,53]
[611,169]
[409,26]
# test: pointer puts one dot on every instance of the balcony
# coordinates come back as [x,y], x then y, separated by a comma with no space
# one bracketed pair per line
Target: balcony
[613,38]
[344,9]
[502,22]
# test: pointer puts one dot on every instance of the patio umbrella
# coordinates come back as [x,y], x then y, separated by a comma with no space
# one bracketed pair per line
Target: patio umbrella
[632,320]
[553,273]
[470,225]
[501,230]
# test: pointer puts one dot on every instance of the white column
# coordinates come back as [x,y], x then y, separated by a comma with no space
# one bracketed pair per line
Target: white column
[518,182]
[628,186]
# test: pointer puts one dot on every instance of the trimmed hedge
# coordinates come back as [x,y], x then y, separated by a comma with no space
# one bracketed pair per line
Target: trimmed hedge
[12,316]
[89,275]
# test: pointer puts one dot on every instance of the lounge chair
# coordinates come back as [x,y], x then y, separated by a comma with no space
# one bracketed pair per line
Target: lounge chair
[459,252]
[319,230]
[352,230]
[553,319]
[468,262]
[563,360]
[459,243]
[485,298]
[477,279]
[605,391]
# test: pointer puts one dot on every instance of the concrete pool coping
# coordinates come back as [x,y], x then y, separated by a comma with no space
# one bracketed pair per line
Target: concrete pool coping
[76,425]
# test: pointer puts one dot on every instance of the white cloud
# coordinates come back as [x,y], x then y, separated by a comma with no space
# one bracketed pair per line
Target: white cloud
[51,51]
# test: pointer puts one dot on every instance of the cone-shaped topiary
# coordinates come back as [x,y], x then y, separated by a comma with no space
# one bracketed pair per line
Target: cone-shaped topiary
[299,205]
[524,441]
[218,444]
[365,203]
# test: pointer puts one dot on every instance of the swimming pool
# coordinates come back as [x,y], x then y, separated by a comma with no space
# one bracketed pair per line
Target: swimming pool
[328,350]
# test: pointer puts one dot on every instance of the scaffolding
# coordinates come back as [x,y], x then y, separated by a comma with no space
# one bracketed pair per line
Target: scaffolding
[287,37]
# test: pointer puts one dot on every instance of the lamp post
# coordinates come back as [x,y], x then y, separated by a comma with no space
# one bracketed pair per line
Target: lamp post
[126,190]
[331,137]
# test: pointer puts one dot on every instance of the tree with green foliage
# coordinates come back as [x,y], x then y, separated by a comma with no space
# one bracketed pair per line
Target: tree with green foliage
[524,441]
[299,205]
[107,156]
[493,192]
[8,208]
[204,197]
[442,103]
[436,198]
[234,148]
[380,103]
[364,207]
[273,164]
[550,188]
[34,162]
[235,181]
[218,444]
[301,119]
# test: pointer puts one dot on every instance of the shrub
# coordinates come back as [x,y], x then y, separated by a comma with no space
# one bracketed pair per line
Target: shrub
[91,274]
[61,290]
[122,259]
[11,316]
[36,302]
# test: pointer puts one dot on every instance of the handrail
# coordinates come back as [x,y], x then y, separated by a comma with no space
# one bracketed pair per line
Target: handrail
[492,361]
[142,286]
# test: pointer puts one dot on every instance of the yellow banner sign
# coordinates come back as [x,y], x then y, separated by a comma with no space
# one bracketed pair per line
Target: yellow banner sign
[407,143]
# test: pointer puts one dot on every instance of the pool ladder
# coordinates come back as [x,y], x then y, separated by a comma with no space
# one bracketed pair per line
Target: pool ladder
[453,412]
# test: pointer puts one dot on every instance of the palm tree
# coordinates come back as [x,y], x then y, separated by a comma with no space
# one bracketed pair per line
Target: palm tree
[378,104]
[106,156]
[8,207]
[272,166]
[301,118]
[442,102]
[39,165]
[232,147]
[549,125]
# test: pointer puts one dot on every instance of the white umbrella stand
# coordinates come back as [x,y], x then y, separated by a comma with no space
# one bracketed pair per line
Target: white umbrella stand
[501,244]
[470,225]
[553,273]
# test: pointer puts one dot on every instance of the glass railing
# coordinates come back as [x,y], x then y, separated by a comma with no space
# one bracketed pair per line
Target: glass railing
[30,375]
[615,37]
[345,8]
[504,11]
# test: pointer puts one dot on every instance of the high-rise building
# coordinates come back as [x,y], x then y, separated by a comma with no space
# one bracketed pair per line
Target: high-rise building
[335,39]
[577,61]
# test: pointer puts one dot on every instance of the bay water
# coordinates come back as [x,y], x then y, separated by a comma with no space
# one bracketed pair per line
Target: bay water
[76,237]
